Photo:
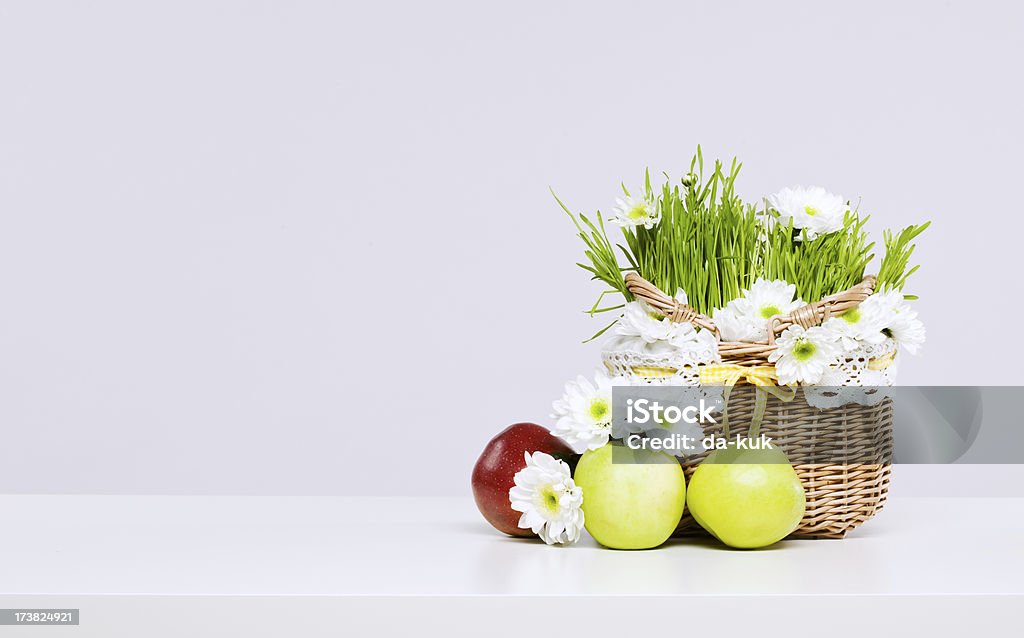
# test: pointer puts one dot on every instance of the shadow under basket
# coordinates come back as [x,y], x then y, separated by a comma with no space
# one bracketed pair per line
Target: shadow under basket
[843,457]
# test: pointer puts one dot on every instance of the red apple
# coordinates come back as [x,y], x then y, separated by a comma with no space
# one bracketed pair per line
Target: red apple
[495,471]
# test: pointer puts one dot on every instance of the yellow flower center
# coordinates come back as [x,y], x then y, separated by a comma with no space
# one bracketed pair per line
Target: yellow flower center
[549,499]
[852,315]
[804,350]
[599,410]
[637,213]
[810,210]
[769,311]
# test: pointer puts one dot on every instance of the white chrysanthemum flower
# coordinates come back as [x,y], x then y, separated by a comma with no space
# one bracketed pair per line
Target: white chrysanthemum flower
[814,210]
[746,318]
[766,298]
[857,326]
[583,416]
[548,498]
[736,326]
[803,356]
[883,303]
[907,329]
[643,329]
[643,210]
[640,320]
[897,318]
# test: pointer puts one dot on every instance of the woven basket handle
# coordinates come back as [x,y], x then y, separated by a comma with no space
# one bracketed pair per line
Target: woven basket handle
[814,314]
[677,312]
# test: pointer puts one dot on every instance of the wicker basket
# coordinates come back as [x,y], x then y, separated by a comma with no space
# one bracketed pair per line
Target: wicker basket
[842,455]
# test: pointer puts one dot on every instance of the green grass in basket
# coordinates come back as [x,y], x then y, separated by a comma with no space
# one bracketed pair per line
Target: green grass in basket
[713,246]
[818,267]
[893,272]
[706,242]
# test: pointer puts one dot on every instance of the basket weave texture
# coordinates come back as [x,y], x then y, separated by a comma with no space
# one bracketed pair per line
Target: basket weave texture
[843,456]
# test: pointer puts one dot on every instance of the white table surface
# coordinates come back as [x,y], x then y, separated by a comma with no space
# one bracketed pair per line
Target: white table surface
[308,566]
[267,546]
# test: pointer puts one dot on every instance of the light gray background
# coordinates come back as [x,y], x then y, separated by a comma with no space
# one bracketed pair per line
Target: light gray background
[240,240]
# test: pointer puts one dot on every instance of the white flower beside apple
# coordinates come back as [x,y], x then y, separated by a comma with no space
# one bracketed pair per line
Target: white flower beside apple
[550,501]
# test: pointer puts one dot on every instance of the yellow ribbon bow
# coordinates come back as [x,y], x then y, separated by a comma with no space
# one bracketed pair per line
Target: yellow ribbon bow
[763,378]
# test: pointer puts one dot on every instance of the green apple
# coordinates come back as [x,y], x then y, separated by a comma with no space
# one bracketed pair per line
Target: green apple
[634,503]
[746,498]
